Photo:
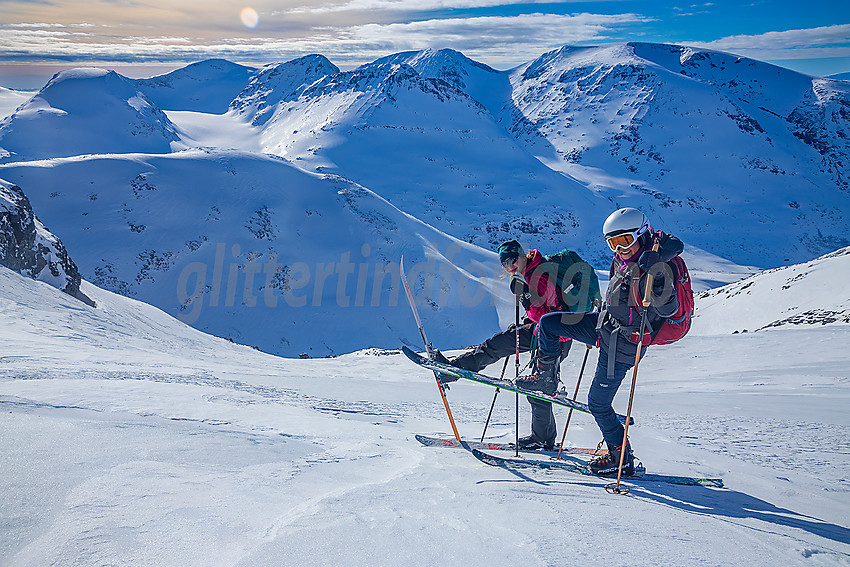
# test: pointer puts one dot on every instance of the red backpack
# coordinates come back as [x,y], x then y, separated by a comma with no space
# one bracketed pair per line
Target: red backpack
[677,326]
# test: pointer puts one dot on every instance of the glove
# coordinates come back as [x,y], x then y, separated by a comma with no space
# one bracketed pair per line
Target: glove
[650,261]
[519,286]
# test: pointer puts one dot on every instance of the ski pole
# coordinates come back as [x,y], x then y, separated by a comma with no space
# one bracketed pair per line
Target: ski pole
[615,488]
[501,377]
[519,287]
[575,395]
[428,347]
[516,334]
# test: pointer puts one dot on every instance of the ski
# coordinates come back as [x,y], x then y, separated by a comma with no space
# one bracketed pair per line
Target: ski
[561,398]
[582,468]
[493,446]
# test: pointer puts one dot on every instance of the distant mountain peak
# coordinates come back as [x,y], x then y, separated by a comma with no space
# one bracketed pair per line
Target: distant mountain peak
[206,86]
[279,82]
[86,110]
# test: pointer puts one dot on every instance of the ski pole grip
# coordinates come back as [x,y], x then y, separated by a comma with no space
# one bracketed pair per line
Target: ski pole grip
[647,296]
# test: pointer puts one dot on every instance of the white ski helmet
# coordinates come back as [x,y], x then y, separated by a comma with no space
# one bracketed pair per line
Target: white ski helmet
[625,220]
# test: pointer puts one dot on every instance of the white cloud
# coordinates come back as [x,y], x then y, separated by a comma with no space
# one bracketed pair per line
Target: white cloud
[413,5]
[36,25]
[824,41]
[501,41]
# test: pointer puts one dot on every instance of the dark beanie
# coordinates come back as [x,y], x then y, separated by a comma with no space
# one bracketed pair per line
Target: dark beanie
[509,250]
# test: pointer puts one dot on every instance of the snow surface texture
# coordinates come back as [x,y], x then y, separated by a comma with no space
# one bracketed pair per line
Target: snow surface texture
[130,438]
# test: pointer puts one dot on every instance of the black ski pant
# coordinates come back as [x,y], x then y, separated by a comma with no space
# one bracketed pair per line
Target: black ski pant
[503,344]
[605,384]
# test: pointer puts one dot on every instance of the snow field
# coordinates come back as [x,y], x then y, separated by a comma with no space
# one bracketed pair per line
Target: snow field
[157,444]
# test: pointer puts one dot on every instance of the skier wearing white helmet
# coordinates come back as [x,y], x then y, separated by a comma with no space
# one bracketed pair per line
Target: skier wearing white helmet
[615,329]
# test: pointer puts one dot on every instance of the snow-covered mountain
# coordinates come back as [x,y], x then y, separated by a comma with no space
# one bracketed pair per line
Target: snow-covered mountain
[433,151]
[812,293]
[745,159]
[85,111]
[29,248]
[279,82]
[206,86]
[630,122]
[248,247]
[489,87]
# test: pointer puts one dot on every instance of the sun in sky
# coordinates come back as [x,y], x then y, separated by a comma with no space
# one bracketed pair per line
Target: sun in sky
[249,17]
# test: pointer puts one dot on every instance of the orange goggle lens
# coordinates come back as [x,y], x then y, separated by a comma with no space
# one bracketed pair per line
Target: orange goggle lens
[621,241]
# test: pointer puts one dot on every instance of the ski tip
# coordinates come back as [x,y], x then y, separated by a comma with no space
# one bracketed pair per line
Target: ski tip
[410,353]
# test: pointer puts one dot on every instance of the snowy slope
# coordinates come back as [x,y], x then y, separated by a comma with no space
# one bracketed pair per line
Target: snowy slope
[206,86]
[10,100]
[130,438]
[434,152]
[812,293]
[698,139]
[248,247]
[476,154]
[82,111]
[279,82]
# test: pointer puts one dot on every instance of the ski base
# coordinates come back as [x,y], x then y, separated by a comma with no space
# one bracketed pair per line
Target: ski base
[493,446]
[561,398]
[581,468]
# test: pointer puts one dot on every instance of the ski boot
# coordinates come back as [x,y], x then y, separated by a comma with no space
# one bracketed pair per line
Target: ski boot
[542,378]
[607,465]
[532,443]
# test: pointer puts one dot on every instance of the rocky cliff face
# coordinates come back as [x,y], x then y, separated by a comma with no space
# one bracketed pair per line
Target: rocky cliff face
[29,248]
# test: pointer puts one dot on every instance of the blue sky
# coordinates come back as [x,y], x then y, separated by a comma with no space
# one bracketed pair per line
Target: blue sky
[146,37]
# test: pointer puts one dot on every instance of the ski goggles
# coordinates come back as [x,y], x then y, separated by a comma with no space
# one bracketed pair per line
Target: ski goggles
[509,261]
[624,240]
